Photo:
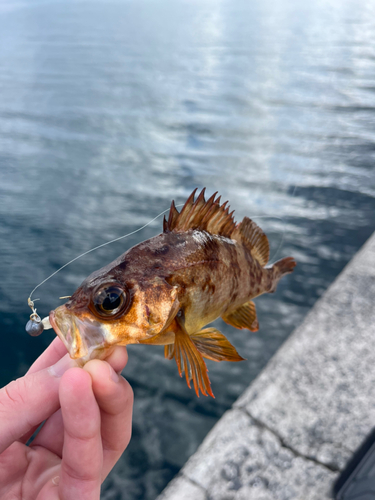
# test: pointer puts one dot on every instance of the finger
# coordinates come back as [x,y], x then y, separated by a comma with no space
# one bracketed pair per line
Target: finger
[115,398]
[50,356]
[24,439]
[51,436]
[26,402]
[55,351]
[118,358]
[82,452]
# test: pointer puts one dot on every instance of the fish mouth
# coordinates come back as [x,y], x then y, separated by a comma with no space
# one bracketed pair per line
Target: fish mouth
[84,339]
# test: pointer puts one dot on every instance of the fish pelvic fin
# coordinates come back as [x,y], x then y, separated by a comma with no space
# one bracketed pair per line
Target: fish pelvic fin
[214,345]
[190,361]
[169,351]
[253,237]
[280,269]
[201,215]
[244,316]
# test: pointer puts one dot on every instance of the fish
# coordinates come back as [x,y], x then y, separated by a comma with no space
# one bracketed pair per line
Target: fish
[167,289]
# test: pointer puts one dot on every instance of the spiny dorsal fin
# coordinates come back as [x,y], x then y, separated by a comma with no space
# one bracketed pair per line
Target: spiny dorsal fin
[173,216]
[202,215]
[254,238]
[214,345]
[244,316]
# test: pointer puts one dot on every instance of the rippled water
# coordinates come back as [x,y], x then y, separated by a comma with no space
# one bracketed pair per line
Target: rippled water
[108,110]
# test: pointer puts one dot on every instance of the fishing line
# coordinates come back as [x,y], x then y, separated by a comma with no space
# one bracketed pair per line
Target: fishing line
[36,325]
[140,229]
[282,236]
[280,218]
[96,248]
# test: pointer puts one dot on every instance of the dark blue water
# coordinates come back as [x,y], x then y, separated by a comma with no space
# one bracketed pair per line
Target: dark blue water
[110,109]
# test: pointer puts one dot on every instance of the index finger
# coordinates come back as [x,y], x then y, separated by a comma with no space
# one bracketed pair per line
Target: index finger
[50,356]
[27,401]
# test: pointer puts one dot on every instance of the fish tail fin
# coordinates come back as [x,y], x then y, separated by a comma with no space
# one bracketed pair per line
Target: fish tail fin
[280,269]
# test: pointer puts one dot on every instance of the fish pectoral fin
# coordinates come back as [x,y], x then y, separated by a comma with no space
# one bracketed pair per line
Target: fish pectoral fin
[190,361]
[172,314]
[244,316]
[214,345]
[169,351]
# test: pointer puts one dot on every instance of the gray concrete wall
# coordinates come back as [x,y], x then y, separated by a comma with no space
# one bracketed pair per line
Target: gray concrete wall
[291,432]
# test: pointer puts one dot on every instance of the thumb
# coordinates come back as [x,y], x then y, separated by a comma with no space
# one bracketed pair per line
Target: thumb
[27,401]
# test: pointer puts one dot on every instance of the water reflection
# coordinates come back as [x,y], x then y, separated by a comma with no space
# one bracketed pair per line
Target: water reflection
[108,110]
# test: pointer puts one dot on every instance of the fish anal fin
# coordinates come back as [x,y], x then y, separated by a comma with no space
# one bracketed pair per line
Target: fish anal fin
[244,316]
[201,215]
[190,361]
[254,238]
[215,346]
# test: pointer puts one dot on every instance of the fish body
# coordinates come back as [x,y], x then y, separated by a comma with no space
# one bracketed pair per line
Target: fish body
[165,290]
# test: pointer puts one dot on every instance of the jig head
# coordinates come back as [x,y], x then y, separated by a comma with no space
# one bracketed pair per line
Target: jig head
[36,325]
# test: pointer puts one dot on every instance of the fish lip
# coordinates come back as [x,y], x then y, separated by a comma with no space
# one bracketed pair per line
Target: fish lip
[55,326]
[84,339]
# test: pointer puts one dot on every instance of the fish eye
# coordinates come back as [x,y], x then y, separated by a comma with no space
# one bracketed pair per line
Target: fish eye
[111,299]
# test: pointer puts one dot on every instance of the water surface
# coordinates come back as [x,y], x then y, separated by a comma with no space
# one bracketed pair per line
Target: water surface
[111,109]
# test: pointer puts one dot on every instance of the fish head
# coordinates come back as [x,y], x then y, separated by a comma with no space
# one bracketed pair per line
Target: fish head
[109,309]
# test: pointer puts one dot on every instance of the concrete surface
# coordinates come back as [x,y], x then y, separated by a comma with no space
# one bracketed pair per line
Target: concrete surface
[292,431]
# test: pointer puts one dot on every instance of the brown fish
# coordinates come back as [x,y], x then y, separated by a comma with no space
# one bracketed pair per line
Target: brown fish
[165,290]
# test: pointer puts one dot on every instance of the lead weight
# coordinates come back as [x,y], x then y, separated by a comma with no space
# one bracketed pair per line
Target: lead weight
[34,327]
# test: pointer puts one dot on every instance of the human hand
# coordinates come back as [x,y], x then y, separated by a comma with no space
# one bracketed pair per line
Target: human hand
[88,416]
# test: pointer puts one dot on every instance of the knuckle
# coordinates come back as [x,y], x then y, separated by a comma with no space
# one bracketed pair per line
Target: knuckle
[122,442]
[129,393]
[13,394]
[81,474]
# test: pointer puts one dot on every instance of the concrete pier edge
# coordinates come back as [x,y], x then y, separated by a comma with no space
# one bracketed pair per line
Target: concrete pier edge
[292,431]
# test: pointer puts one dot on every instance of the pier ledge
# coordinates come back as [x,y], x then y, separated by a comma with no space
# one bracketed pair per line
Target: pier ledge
[292,431]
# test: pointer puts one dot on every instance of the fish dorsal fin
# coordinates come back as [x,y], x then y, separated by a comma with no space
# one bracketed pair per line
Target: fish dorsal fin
[214,345]
[201,215]
[254,238]
[244,316]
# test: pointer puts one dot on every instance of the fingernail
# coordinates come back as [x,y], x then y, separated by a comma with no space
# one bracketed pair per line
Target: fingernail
[113,374]
[63,365]
[56,480]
